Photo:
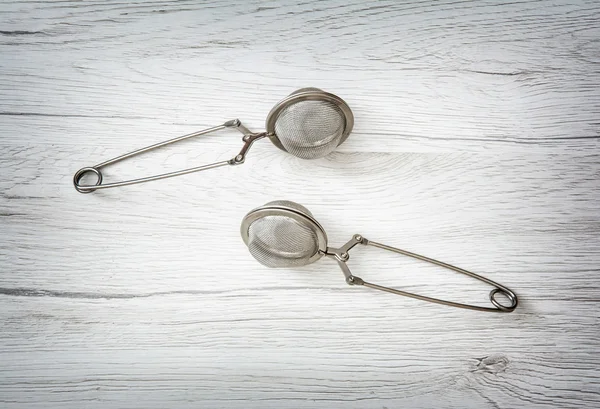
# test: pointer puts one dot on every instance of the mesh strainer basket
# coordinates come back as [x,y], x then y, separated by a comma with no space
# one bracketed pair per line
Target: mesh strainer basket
[309,124]
[285,234]
[286,239]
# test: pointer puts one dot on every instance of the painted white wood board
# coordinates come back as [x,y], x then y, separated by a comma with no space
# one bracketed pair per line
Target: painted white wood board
[476,142]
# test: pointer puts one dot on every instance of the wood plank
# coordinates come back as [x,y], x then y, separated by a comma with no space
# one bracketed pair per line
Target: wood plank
[444,75]
[476,142]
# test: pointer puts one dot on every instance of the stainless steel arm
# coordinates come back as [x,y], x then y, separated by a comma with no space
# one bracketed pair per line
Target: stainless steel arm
[341,256]
[249,139]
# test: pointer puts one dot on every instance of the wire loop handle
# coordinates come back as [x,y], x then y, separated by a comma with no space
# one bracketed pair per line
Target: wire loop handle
[341,256]
[249,138]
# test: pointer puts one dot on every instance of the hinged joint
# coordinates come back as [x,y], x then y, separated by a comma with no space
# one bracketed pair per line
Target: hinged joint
[248,140]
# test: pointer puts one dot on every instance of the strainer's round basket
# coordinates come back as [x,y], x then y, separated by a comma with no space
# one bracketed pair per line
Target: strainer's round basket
[283,234]
[310,123]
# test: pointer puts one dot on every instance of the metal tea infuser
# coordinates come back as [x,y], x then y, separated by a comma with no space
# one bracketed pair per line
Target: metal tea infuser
[285,234]
[310,123]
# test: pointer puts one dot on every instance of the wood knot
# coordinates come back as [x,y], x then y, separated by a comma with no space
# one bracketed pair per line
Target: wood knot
[491,364]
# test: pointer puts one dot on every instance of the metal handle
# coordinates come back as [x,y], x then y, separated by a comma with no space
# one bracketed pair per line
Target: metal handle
[248,139]
[341,256]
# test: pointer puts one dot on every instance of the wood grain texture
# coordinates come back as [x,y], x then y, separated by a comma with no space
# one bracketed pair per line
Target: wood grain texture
[476,142]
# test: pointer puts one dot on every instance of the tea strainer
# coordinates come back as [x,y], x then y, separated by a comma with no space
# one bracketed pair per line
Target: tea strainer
[309,124]
[285,234]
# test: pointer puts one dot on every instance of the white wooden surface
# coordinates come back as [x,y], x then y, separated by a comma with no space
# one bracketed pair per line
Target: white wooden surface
[476,142]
